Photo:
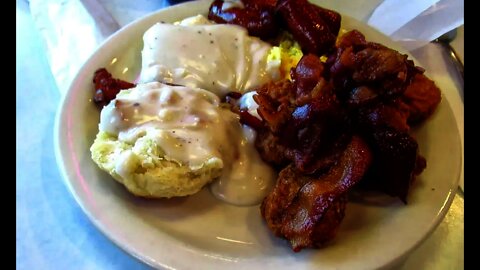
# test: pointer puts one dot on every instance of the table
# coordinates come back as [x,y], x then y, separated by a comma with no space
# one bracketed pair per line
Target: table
[53,232]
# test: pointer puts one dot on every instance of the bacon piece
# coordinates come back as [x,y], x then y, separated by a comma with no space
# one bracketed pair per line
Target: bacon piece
[258,17]
[384,66]
[247,119]
[308,26]
[382,114]
[308,210]
[352,38]
[275,103]
[361,96]
[319,129]
[270,149]
[232,99]
[395,162]
[306,74]
[107,87]
[305,116]
[358,64]
[332,18]
[421,98]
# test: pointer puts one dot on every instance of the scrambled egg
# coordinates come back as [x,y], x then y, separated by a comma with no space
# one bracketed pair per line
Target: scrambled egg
[285,56]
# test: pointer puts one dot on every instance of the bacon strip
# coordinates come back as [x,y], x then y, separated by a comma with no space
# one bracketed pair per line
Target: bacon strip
[308,210]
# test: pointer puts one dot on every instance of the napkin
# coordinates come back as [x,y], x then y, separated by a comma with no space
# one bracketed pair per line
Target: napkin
[416,23]
[73,29]
[70,34]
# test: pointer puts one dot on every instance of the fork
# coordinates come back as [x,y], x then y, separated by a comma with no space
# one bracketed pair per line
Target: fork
[445,40]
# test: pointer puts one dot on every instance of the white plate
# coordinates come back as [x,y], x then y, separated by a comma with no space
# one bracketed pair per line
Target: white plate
[200,232]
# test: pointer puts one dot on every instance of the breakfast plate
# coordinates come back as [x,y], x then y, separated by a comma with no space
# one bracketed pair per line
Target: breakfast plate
[201,232]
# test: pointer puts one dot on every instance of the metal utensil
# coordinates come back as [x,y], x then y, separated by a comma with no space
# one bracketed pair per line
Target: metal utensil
[445,40]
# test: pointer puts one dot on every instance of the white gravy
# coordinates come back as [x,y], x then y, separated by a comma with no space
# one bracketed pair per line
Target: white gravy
[228,4]
[217,57]
[247,102]
[192,127]
[247,180]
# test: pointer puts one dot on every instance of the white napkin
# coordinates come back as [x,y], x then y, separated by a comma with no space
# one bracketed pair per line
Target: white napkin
[415,23]
[393,14]
[70,35]
[73,29]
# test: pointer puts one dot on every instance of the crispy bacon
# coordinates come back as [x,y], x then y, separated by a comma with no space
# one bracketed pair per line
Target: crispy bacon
[308,210]
[275,102]
[319,129]
[107,87]
[395,162]
[332,18]
[258,17]
[421,98]
[352,38]
[305,116]
[351,113]
[314,28]
[270,149]
[391,114]
[247,119]
[306,75]
[365,71]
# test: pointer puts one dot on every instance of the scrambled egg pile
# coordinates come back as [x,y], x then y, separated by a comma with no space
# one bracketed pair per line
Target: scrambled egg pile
[285,56]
